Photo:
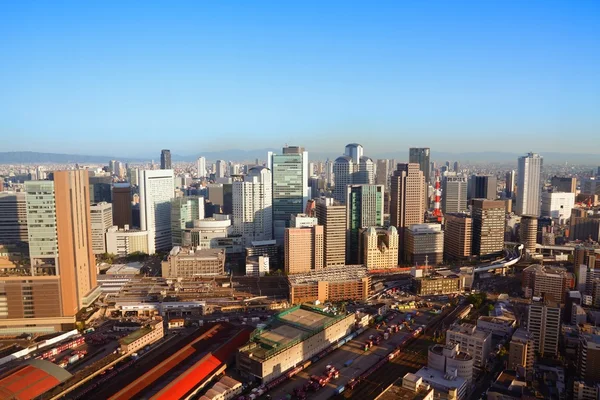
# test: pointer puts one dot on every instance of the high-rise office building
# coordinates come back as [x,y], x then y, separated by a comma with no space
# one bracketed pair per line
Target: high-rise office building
[101,219]
[383,172]
[303,249]
[424,244]
[13,218]
[483,187]
[221,169]
[529,185]
[379,247]
[290,187]
[201,167]
[509,190]
[121,212]
[454,194]
[458,232]
[100,189]
[156,192]
[332,216]
[165,159]
[63,267]
[564,184]
[456,166]
[488,226]
[588,357]
[253,206]
[543,322]
[521,352]
[184,211]
[407,203]
[547,281]
[353,168]
[528,232]
[364,205]
[590,186]
[558,206]
[420,155]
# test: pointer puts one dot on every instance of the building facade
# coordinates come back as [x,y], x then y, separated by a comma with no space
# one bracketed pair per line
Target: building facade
[165,159]
[424,244]
[380,248]
[123,242]
[121,205]
[353,168]
[454,194]
[543,322]
[458,232]
[342,283]
[156,192]
[184,211]
[332,216]
[558,205]
[185,262]
[101,219]
[303,249]
[471,340]
[488,226]
[529,185]
[364,205]
[13,218]
[253,206]
[521,352]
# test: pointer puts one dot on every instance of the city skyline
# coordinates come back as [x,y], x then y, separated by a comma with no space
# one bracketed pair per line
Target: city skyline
[89,80]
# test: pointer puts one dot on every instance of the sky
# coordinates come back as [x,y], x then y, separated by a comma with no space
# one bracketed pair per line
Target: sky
[131,78]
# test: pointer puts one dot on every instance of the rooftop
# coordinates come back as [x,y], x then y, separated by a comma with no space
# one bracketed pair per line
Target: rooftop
[331,274]
[468,329]
[437,379]
[135,335]
[196,253]
[497,320]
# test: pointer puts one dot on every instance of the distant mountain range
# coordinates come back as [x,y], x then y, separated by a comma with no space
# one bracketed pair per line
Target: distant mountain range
[30,157]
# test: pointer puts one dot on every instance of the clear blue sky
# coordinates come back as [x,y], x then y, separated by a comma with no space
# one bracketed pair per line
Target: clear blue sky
[129,79]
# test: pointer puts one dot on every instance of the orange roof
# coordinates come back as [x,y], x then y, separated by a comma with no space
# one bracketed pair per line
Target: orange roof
[26,383]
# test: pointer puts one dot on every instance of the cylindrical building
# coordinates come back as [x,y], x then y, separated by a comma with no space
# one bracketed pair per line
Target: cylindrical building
[528,232]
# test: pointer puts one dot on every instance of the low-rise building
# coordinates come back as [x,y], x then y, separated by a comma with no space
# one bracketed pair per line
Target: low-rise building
[451,360]
[521,352]
[436,284]
[379,247]
[143,337]
[472,340]
[499,326]
[123,242]
[185,262]
[257,265]
[444,385]
[350,282]
[424,243]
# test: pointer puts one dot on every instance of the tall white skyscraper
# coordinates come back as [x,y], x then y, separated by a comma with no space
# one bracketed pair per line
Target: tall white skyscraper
[353,168]
[529,184]
[454,193]
[253,206]
[201,167]
[221,169]
[290,187]
[156,191]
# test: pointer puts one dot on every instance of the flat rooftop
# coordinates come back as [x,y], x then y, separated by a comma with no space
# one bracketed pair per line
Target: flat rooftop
[437,379]
[497,320]
[307,319]
[345,273]
[282,335]
[135,335]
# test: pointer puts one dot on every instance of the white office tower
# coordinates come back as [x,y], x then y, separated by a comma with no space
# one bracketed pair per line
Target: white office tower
[329,177]
[253,206]
[221,169]
[201,167]
[454,193]
[558,206]
[156,192]
[353,168]
[290,187]
[544,324]
[529,184]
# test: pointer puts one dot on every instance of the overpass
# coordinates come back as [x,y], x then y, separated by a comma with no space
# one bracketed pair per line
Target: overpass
[512,257]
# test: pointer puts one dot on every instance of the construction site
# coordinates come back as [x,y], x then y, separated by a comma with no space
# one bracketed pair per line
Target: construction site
[349,282]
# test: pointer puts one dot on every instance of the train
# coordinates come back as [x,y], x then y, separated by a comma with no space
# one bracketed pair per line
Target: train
[59,349]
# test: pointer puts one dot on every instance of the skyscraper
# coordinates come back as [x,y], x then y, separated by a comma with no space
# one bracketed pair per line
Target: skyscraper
[303,249]
[184,211]
[13,218]
[332,216]
[564,184]
[221,169]
[528,232]
[454,194]
[407,204]
[544,324]
[253,206]
[382,175]
[364,205]
[156,192]
[529,184]
[483,187]
[290,186]
[201,167]
[420,155]
[165,159]
[522,351]
[353,168]
[458,232]
[510,184]
[488,226]
[121,212]
[101,219]
[100,189]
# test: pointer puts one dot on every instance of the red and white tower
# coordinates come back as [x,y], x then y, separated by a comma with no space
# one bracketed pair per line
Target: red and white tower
[437,211]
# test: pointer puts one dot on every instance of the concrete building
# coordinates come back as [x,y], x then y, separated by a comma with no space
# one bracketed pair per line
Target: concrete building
[529,185]
[437,285]
[156,193]
[584,226]
[121,194]
[483,187]
[454,194]
[187,262]
[184,211]
[100,188]
[471,340]
[543,322]
[488,226]
[332,216]
[201,167]
[408,201]
[352,169]
[499,326]
[145,336]
[364,204]
[165,159]
[588,357]
[253,206]
[445,386]
[123,242]
[590,186]
[257,266]
[13,218]
[293,336]
[61,277]
[379,248]
[383,172]
[551,282]
[458,232]
[101,219]
[290,187]
[510,183]
[557,206]
[528,232]
[421,156]
[564,184]
[340,283]
[424,244]
[221,169]
[451,360]
[303,249]
[206,232]
[521,352]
